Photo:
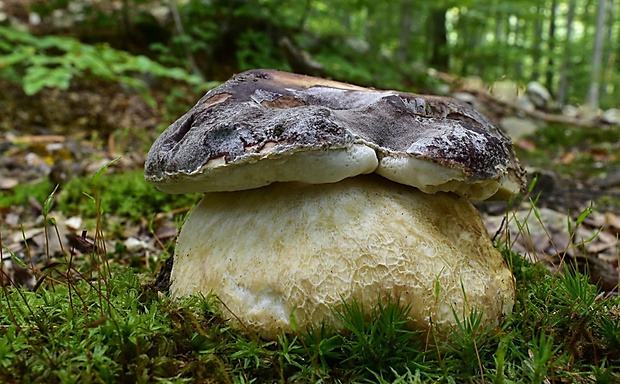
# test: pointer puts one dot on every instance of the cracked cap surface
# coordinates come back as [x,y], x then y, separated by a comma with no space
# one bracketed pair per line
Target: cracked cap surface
[266,126]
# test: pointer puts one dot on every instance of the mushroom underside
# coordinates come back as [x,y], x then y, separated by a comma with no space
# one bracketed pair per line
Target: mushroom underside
[296,249]
[322,166]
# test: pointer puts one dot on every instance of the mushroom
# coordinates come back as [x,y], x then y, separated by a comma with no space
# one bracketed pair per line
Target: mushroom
[319,193]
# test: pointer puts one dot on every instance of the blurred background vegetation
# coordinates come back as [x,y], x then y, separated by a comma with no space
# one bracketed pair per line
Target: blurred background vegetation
[571,47]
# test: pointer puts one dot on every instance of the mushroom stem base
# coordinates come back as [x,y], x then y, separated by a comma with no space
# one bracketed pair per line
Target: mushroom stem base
[301,250]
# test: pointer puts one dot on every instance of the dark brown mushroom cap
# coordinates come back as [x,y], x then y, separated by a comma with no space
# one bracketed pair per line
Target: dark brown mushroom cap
[265,126]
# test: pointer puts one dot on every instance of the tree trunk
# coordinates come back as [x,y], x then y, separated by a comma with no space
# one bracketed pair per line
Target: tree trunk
[610,58]
[615,50]
[404,38]
[551,47]
[597,56]
[566,56]
[536,42]
[440,59]
[499,21]
[304,15]
[517,43]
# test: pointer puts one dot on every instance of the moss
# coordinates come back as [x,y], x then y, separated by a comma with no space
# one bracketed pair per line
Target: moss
[126,195]
[20,195]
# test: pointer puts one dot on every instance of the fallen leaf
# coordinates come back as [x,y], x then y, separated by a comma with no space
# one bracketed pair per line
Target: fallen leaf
[613,222]
[8,183]
[526,145]
[568,158]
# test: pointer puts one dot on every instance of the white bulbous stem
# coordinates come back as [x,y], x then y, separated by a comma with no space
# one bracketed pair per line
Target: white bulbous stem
[301,249]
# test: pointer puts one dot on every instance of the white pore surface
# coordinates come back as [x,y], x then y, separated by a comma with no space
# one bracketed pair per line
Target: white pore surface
[308,166]
[430,177]
[300,249]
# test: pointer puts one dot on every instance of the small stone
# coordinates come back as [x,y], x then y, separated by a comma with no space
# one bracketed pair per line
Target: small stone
[465,97]
[518,128]
[611,116]
[526,104]
[135,245]
[8,183]
[538,94]
[506,90]
[473,84]
[587,113]
[74,223]
[570,111]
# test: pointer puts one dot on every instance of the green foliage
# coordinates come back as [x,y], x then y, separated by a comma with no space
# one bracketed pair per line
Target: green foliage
[591,152]
[95,325]
[124,331]
[254,50]
[199,33]
[542,355]
[379,343]
[393,41]
[37,62]
[471,343]
[125,195]
[19,195]
[564,137]
[129,338]
[250,42]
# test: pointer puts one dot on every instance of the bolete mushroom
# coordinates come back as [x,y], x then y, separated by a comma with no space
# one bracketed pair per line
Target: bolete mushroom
[319,192]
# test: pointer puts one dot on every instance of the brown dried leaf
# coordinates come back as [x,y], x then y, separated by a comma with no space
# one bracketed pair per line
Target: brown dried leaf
[612,222]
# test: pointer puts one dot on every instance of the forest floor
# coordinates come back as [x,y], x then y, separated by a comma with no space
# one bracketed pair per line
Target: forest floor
[59,136]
